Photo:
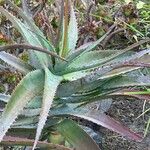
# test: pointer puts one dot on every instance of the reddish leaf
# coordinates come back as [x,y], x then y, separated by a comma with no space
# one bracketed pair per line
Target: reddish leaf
[111,124]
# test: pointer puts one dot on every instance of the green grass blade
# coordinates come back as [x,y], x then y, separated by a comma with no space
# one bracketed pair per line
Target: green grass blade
[147,127]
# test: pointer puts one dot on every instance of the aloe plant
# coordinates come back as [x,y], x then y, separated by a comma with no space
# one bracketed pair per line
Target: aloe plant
[60,80]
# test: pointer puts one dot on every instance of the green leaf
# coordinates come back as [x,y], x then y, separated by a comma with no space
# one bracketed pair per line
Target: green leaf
[72,31]
[77,75]
[4,98]
[35,103]
[34,29]
[37,59]
[78,53]
[50,87]
[92,59]
[15,62]
[98,58]
[99,72]
[76,136]
[86,47]
[119,71]
[97,117]
[95,73]
[27,89]
[127,81]
[32,123]
[64,42]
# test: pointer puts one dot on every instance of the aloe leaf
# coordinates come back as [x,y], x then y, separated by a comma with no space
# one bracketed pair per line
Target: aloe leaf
[31,112]
[92,59]
[106,65]
[119,71]
[23,29]
[25,121]
[35,30]
[15,62]
[79,52]
[81,91]
[111,124]
[38,59]
[72,31]
[98,118]
[27,47]
[4,98]
[95,58]
[26,90]
[99,72]
[76,136]
[83,85]
[127,68]
[89,46]
[127,81]
[64,43]
[35,103]
[2,67]
[50,87]
[32,123]
[76,75]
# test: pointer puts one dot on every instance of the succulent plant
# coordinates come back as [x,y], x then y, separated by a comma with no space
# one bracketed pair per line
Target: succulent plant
[60,80]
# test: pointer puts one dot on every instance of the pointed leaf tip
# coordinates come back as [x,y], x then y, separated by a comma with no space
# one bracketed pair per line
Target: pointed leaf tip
[50,87]
[26,90]
[72,30]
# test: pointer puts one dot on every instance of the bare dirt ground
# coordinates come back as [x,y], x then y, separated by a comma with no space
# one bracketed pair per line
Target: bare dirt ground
[126,111]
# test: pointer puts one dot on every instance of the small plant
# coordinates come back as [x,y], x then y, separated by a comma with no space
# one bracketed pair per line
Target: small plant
[60,80]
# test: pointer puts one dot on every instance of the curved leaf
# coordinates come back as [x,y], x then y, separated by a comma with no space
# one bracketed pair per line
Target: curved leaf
[38,59]
[98,118]
[80,51]
[30,22]
[111,124]
[4,98]
[76,136]
[27,89]
[72,31]
[127,81]
[92,59]
[15,62]
[2,67]
[50,87]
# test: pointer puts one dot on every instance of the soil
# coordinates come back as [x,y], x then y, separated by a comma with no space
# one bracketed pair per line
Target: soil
[126,111]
